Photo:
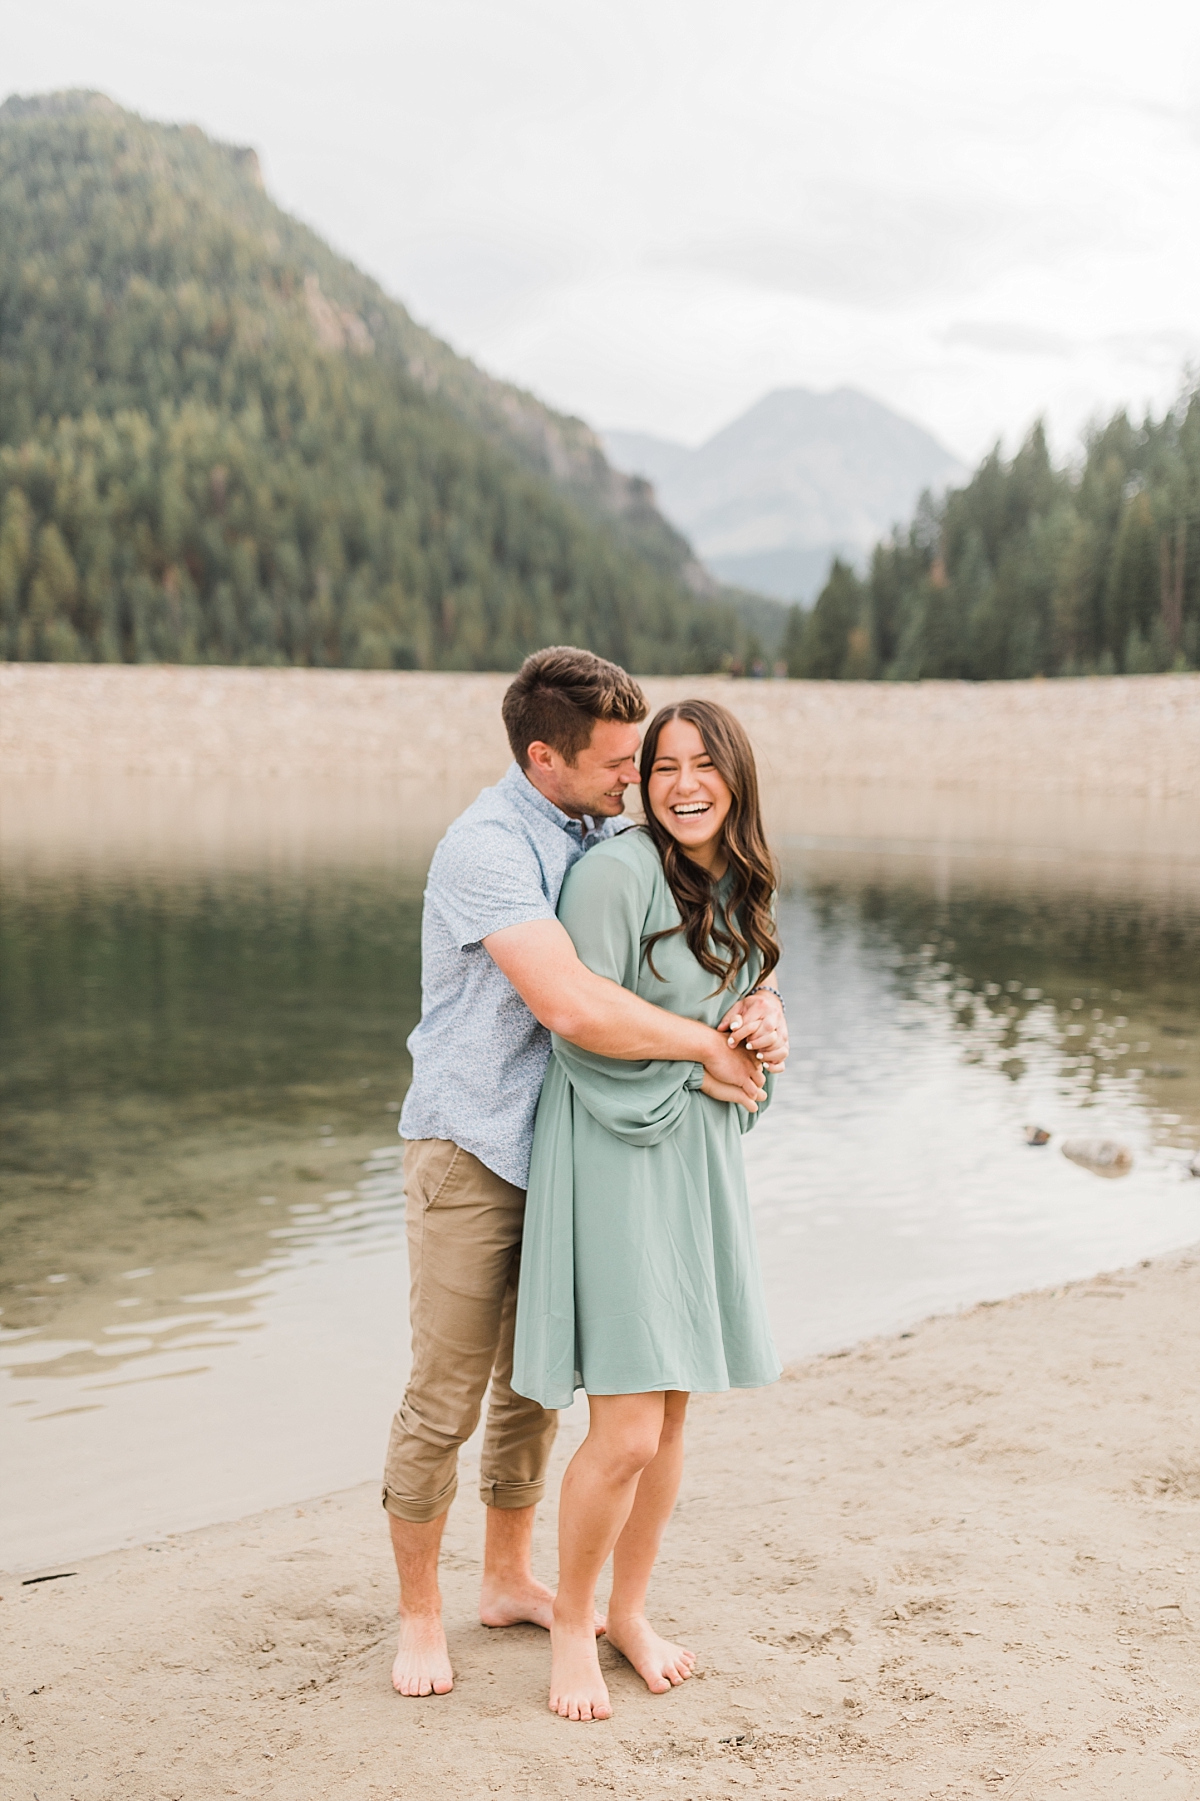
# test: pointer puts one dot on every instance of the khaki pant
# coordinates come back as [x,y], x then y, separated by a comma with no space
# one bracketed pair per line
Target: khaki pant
[464,1248]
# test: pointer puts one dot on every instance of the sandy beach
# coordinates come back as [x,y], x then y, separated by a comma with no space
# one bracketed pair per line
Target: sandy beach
[964,1561]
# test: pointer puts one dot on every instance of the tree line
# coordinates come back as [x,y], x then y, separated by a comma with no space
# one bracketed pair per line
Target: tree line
[1090,568]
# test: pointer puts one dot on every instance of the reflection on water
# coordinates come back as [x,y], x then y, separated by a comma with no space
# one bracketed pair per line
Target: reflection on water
[169,1045]
[931,1023]
[200,1208]
[202,1274]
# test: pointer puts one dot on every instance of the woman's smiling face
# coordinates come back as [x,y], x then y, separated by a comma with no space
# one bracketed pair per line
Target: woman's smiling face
[688,794]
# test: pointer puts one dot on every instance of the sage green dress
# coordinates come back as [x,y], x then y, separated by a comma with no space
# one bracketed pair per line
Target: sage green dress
[639,1267]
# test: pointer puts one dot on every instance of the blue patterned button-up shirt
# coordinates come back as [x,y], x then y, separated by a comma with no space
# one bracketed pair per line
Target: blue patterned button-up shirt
[478,1054]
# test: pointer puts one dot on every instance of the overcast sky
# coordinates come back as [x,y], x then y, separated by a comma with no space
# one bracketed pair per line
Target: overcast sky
[653,211]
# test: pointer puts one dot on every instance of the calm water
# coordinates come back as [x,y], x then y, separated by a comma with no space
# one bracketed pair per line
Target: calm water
[201,1222]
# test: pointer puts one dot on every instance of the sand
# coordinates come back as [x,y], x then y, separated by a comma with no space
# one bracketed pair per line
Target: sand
[960,1562]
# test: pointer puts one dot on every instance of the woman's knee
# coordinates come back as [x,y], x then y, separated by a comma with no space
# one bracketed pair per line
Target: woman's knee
[629,1456]
[627,1438]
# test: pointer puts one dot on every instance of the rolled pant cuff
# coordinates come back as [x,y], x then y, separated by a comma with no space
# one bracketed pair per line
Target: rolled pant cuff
[512,1494]
[416,1509]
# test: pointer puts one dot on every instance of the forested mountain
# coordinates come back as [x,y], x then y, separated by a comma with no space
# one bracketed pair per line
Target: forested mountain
[219,441]
[1031,569]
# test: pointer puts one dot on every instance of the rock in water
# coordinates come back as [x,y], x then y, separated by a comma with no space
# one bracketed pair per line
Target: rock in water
[1036,1135]
[1103,1156]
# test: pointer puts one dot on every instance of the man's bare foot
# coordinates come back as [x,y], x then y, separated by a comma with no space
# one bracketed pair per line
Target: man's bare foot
[523,1602]
[422,1665]
[660,1664]
[577,1690]
[520,1603]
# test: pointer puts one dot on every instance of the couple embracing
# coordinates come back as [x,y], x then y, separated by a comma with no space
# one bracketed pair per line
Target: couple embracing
[598,1029]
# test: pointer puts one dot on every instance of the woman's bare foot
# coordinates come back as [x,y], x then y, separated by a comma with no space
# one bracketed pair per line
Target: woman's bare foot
[422,1665]
[577,1690]
[660,1664]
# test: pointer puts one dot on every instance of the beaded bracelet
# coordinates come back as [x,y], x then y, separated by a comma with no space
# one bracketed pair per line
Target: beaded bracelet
[765,988]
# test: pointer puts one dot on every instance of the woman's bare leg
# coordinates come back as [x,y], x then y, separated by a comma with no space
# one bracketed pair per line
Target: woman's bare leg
[660,1664]
[598,1492]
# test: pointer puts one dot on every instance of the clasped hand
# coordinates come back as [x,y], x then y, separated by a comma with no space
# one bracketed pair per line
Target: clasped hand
[755,1038]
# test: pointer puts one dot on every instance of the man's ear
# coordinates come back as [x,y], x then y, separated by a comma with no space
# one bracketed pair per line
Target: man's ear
[543,756]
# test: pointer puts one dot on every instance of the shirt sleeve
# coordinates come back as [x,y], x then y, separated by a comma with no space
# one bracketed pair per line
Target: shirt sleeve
[484,878]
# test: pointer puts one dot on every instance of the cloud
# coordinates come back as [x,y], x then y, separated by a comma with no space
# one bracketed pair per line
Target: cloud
[1175,349]
[849,243]
[1007,339]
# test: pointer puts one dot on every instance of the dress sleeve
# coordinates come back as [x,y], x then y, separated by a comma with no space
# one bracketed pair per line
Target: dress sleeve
[603,905]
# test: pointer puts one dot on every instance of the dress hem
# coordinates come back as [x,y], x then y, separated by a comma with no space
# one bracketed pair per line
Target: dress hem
[655,1388]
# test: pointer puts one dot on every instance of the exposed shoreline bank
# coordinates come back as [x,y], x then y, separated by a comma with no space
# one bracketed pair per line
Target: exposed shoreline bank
[961,1561]
[134,767]
[1118,736]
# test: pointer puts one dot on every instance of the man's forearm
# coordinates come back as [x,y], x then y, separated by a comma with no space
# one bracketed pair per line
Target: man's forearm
[603,1017]
[614,1023]
[600,1016]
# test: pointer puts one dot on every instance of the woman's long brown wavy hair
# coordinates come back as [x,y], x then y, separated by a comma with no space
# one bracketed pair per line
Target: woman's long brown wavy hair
[721,949]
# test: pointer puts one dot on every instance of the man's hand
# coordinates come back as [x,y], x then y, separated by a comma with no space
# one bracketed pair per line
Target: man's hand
[758,1024]
[721,1091]
[733,1075]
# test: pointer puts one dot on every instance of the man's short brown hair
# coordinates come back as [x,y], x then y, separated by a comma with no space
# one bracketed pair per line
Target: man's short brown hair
[558,696]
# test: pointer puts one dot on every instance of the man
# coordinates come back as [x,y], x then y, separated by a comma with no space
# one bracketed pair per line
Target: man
[499,974]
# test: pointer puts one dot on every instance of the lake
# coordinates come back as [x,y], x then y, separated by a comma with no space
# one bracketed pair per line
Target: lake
[202,1268]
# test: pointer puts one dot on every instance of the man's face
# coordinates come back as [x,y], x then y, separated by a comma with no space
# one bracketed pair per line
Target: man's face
[595,783]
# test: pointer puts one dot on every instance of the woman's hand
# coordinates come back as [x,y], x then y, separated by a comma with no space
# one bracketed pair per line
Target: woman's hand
[758,1024]
[725,1091]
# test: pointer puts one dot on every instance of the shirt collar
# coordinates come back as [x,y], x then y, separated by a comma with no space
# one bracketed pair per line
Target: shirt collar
[525,794]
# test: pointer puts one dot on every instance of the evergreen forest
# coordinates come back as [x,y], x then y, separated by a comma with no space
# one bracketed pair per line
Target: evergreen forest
[1030,569]
[220,442]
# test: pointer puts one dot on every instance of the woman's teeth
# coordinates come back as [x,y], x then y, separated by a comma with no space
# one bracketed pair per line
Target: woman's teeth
[686,812]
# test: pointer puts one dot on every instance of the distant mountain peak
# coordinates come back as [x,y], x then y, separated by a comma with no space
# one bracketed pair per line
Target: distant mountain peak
[798,478]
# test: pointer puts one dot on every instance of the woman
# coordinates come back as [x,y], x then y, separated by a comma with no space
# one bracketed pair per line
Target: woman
[639,1271]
